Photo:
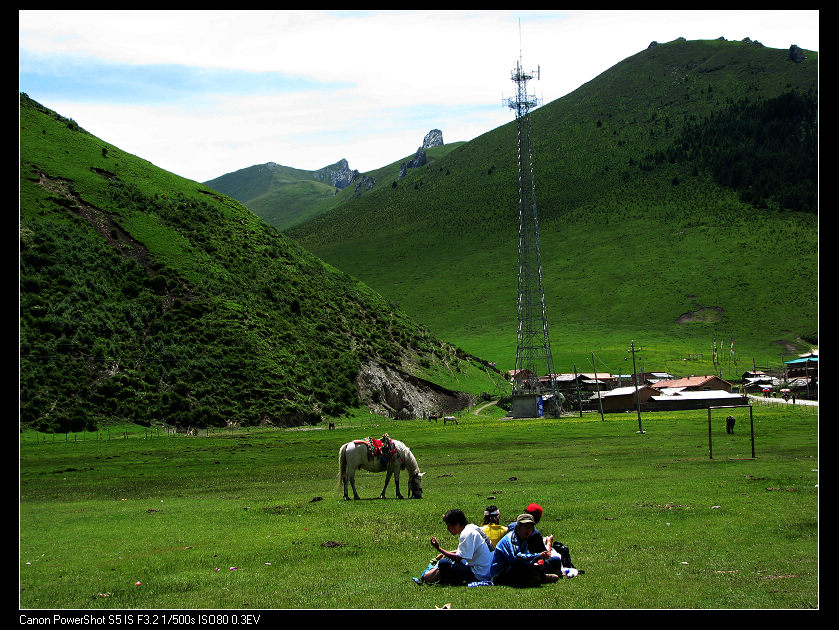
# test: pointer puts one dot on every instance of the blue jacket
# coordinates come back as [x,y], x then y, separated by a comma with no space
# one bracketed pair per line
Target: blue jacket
[509,550]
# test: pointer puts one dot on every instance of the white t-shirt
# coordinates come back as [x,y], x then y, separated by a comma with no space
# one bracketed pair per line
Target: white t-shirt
[472,547]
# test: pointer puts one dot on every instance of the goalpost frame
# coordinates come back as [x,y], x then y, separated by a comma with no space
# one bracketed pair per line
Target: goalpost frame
[751,427]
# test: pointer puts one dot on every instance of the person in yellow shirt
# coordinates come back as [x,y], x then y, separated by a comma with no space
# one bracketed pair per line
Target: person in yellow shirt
[492,527]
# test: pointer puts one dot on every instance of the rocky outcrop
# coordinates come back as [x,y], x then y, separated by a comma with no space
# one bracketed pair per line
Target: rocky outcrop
[339,174]
[389,391]
[795,54]
[433,138]
[419,160]
[365,183]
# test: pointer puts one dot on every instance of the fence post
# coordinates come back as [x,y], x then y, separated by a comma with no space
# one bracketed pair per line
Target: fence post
[710,449]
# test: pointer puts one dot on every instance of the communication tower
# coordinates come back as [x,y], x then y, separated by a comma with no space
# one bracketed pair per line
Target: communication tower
[533,381]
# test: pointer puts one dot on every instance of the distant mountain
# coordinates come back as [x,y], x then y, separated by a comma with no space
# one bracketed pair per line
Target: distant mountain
[281,195]
[148,297]
[284,196]
[682,180]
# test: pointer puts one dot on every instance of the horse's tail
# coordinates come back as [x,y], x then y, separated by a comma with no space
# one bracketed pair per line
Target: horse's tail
[342,463]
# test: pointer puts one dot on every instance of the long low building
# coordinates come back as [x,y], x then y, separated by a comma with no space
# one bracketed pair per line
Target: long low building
[624,398]
[697,383]
[687,399]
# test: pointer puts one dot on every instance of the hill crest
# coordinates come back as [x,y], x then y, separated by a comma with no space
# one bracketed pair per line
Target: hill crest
[285,196]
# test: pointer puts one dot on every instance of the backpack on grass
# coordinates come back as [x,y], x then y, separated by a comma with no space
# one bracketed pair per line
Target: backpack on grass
[565,554]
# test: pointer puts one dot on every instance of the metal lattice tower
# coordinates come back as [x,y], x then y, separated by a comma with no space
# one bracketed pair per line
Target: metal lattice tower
[533,348]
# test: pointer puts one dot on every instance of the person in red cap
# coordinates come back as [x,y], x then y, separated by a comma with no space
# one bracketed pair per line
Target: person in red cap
[514,564]
[536,542]
[535,510]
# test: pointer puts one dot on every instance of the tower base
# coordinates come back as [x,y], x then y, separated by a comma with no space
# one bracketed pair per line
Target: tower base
[526,406]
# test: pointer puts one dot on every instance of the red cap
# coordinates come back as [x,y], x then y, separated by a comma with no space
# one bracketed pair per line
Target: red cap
[534,508]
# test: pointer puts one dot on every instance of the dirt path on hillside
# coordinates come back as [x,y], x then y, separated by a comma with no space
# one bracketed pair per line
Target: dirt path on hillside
[482,407]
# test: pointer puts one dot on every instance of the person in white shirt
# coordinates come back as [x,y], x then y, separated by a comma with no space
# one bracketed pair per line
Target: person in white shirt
[472,559]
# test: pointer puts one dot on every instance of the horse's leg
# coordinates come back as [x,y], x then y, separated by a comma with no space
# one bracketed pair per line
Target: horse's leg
[352,483]
[396,481]
[342,465]
[387,481]
[347,474]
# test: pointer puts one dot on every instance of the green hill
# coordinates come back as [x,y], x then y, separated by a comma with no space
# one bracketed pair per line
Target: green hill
[149,297]
[285,197]
[666,217]
[282,196]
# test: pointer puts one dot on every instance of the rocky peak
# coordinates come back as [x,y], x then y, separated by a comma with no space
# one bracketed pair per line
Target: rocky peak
[339,174]
[433,138]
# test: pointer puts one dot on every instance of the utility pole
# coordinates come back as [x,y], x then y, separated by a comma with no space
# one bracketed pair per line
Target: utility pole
[597,384]
[635,378]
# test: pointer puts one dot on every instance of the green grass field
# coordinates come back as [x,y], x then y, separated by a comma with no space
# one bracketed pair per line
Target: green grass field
[139,519]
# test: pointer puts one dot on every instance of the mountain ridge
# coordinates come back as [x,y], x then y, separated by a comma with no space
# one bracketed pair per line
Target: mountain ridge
[286,196]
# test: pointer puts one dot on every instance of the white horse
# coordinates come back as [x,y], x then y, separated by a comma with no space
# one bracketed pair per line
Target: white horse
[355,455]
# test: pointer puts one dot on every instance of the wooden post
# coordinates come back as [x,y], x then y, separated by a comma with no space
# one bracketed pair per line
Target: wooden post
[599,400]
[710,448]
[635,378]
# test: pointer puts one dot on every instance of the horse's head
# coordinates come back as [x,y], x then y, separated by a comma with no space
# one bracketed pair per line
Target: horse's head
[415,486]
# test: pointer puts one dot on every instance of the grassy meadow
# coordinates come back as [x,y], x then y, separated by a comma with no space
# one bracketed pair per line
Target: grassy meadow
[134,517]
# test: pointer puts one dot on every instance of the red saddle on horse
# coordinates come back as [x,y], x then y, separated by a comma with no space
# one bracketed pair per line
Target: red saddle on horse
[384,448]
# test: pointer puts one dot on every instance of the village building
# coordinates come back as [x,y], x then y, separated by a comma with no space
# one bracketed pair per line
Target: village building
[568,384]
[803,367]
[673,398]
[802,376]
[653,377]
[624,398]
[759,383]
[592,381]
[695,383]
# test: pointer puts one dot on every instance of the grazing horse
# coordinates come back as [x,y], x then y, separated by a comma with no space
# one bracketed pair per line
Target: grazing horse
[356,454]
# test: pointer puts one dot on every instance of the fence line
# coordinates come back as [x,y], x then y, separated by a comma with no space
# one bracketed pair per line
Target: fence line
[148,433]
[800,405]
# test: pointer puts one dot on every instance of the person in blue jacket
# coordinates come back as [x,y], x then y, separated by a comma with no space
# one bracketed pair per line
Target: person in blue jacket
[513,564]
[536,543]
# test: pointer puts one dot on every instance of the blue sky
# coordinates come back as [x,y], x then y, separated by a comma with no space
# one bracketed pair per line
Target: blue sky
[204,93]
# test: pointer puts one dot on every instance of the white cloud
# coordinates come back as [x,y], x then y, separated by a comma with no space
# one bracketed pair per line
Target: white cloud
[385,78]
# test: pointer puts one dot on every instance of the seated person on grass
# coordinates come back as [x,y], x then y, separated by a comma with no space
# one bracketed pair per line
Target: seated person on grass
[470,562]
[537,543]
[492,527]
[513,564]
